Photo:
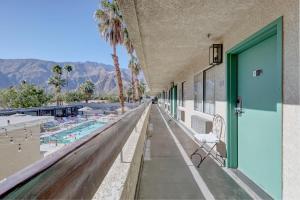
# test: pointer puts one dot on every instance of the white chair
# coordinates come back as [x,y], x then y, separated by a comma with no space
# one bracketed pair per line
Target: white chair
[207,142]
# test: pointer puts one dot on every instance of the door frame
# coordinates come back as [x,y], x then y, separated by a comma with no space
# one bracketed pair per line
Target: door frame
[274,28]
[175,93]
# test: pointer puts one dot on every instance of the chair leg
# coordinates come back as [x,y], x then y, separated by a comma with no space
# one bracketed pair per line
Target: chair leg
[196,153]
[207,154]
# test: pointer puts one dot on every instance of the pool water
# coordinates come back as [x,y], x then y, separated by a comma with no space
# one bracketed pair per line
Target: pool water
[71,135]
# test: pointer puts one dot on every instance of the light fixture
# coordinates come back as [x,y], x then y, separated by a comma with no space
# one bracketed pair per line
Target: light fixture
[172,84]
[19,148]
[216,54]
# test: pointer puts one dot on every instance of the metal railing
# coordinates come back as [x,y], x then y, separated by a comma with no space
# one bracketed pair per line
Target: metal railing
[77,170]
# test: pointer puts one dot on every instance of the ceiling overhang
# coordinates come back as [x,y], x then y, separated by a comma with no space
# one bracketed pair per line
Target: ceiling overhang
[172,35]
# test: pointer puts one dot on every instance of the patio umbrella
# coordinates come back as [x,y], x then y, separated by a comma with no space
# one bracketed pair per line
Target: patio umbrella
[86,110]
[19,114]
[125,109]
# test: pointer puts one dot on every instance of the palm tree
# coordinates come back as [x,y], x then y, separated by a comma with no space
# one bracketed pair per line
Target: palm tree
[131,67]
[135,67]
[136,72]
[127,42]
[57,82]
[68,69]
[111,27]
[130,49]
[129,93]
[142,88]
[87,88]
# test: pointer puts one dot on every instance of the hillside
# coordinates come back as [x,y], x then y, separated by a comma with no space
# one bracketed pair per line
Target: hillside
[13,71]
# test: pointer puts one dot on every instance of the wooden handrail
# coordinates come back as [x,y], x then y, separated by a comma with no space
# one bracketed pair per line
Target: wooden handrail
[76,170]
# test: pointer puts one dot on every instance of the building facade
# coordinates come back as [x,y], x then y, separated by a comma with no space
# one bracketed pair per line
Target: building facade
[19,142]
[255,88]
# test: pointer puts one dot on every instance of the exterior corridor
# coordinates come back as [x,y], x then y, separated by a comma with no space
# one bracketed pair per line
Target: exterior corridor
[166,174]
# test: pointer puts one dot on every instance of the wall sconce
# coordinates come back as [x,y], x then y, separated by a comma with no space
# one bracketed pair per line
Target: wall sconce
[19,148]
[172,84]
[216,54]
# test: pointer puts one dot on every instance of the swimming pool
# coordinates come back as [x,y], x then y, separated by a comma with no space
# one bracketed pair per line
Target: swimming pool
[73,134]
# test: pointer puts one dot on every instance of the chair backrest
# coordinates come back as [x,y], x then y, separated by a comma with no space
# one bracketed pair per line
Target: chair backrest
[218,125]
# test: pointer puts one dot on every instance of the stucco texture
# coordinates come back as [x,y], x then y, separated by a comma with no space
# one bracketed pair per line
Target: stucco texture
[171,41]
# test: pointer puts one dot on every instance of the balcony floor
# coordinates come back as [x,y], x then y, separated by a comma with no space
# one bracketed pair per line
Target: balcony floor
[168,174]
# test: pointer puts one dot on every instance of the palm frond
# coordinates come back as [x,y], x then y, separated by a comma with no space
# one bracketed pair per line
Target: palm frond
[127,42]
[110,22]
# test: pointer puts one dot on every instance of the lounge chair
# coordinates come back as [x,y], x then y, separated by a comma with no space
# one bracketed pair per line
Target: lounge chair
[208,142]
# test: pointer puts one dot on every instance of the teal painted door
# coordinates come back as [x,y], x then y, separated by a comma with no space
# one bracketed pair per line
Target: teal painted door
[174,95]
[171,101]
[259,124]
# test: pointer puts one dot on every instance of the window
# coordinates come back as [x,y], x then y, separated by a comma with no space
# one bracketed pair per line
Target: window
[169,100]
[204,91]
[209,90]
[198,92]
[181,94]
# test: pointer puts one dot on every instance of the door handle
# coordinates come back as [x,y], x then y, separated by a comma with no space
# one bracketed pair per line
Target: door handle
[239,106]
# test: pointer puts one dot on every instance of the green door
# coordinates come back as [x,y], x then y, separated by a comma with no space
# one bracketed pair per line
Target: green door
[171,101]
[259,119]
[174,102]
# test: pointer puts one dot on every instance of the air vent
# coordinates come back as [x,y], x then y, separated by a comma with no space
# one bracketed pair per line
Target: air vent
[182,115]
[200,125]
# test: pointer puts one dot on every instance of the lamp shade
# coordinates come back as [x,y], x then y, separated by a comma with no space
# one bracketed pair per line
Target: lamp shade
[216,54]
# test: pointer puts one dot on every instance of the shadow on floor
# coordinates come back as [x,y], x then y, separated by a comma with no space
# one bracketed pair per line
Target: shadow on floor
[165,175]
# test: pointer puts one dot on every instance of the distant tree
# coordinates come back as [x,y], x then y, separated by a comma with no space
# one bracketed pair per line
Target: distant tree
[130,93]
[68,69]
[142,88]
[109,98]
[113,99]
[135,67]
[23,96]
[70,97]
[8,97]
[31,96]
[87,89]
[57,81]
[130,50]
[111,27]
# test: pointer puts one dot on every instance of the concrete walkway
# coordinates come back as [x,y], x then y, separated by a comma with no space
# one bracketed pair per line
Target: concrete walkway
[166,173]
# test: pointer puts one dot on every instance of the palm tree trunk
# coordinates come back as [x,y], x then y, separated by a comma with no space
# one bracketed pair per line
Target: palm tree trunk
[133,86]
[56,97]
[136,87]
[67,81]
[119,78]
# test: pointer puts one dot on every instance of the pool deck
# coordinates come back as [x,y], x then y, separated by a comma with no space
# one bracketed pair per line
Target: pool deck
[169,173]
[49,148]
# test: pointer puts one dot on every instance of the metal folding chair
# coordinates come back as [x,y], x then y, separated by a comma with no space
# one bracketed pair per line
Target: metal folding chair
[208,142]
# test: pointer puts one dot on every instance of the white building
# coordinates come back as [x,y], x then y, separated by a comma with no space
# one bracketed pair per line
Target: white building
[19,142]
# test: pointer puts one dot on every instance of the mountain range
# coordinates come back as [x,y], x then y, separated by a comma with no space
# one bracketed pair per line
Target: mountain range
[14,71]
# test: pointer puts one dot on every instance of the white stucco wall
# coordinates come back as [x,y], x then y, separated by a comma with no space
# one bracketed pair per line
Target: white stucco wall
[13,160]
[263,13]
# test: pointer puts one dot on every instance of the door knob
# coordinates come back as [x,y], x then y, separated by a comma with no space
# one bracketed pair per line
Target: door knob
[239,107]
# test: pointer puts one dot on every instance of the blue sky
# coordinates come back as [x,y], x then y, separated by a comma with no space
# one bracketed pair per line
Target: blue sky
[57,30]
